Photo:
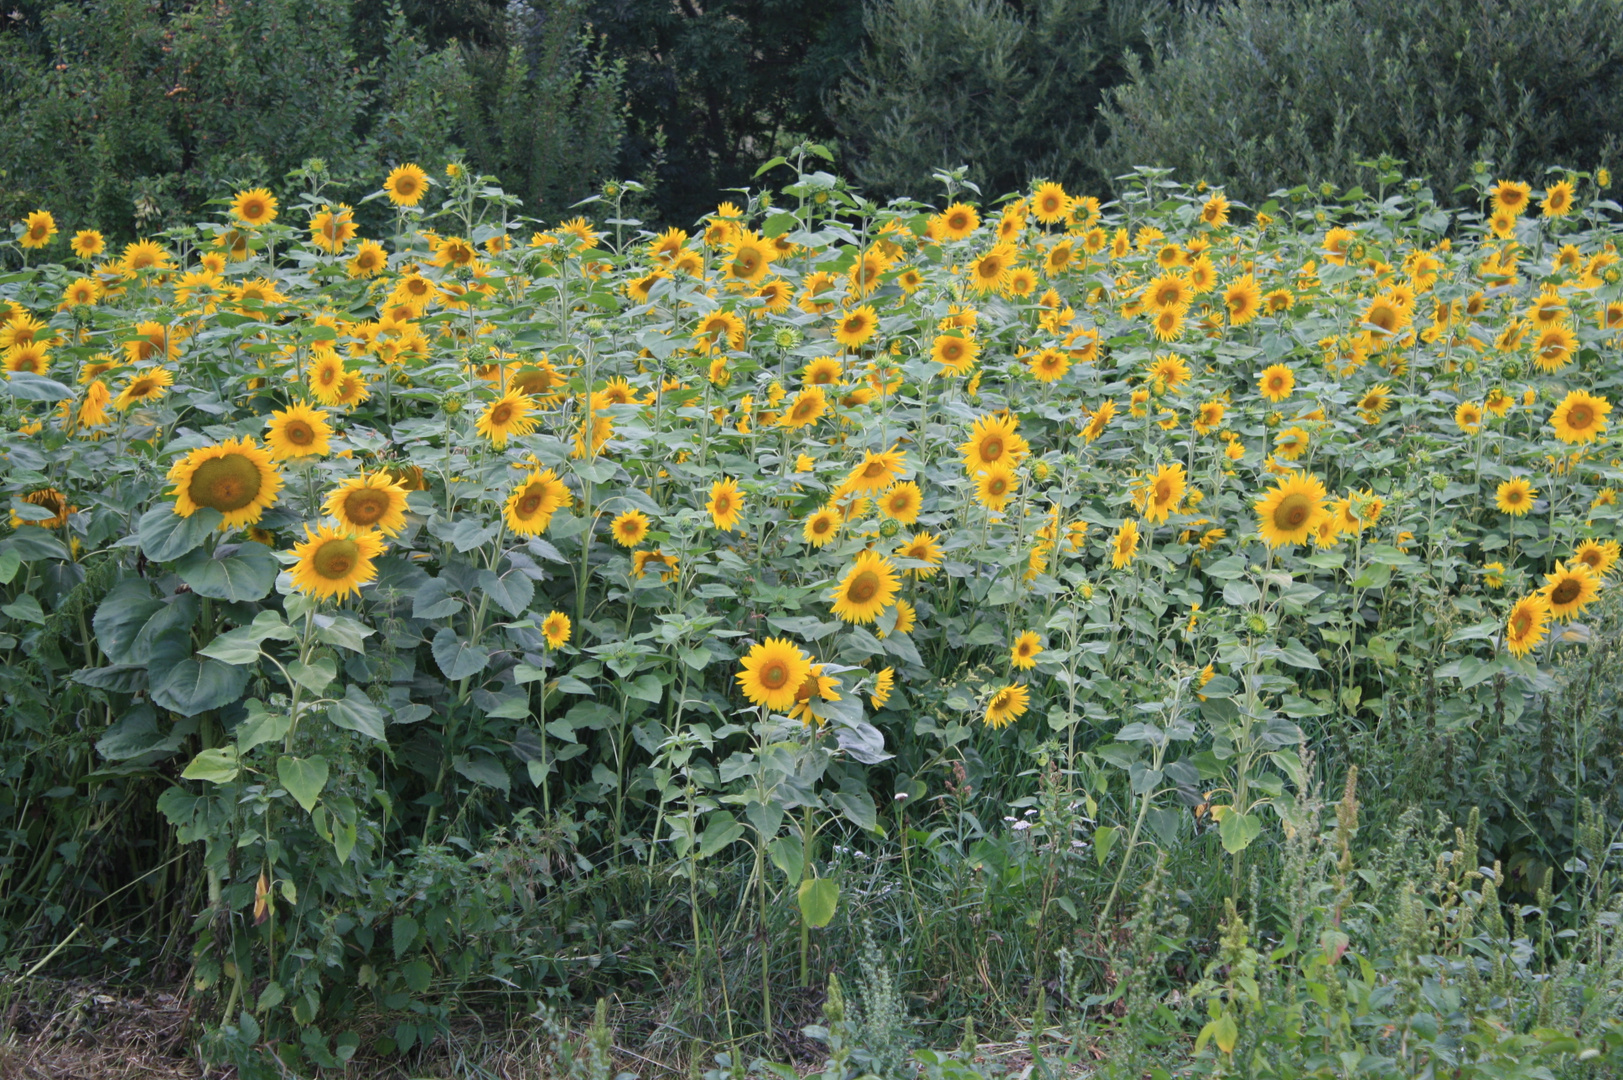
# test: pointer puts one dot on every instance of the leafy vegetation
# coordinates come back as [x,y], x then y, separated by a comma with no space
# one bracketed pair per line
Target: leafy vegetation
[845,634]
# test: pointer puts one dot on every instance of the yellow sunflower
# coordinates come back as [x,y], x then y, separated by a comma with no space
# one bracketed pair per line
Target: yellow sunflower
[807,406]
[1581,417]
[1098,421]
[148,384]
[556,629]
[1528,623]
[335,562]
[1515,497]
[531,505]
[235,477]
[46,499]
[1049,365]
[1163,493]
[1291,510]
[995,486]
[1570,589]
[726,504]
[821,527]
[369,502]
[1510,196]
[1243,299]
[38,228]
[1023,653]
[994,440]
[1007,705]
[326,376]
[958,221]
[1050,204]
[87,243]
[883,683]
[875,471]
[1468,417]
[749,258]
[298,431]
[630,528]
[954,353]
[856,327]
[922,547]
[254,208]
[773,672]
[406,185]
[902,502]
[867,588]
[1124,545]
[1552,349]
[1599,556]
[1276,382]
[507,416]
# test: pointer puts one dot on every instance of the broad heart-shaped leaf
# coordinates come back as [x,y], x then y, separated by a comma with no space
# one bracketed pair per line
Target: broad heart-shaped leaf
[818,898]
[304,778]
[166,536]
[484,769]
[261,726]
[217,766]
[120,618]
[236,572]
[183,683]
[512,593]
[464,534]
[357,712]
[136,735]
[456,658]
[315,675]
[1238,830]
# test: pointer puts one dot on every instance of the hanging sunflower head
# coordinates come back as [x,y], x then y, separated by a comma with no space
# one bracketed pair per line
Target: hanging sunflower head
[235,477]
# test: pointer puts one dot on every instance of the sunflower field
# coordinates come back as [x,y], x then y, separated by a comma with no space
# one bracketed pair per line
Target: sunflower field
[971,602]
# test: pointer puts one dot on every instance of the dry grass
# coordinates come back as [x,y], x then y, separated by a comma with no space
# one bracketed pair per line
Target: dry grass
[56,1030]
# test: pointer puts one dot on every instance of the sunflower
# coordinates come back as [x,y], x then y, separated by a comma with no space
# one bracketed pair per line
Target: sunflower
[46,499]
[93,410]
[854,328]
[994,486]
[866,589]
[87,243]
[555,627]
[954,353]
[1169,291]
[1058,258]
[958,221]
[1552,349]
[717,328]
[1049,365]
[33,358]
[144,255]
[1124,545]
[990,272]
[863,277]
[406,185]
[922,547]
[1515,497]
[505,417]
[370,259]
[630,528]
[148,384]
[335,562]
[1291,443]
[807,406]
[821,527]
[82,292]
[994,440]
[726,504]
[1276,382]
[773,672]
[749,258]
[902,502]
[1510,196]
[1291,510]
[1243,299]
[38,228]
[1580,418]
[1376,400]
[1527,625]
[1023,654]
[1570,589]
[883,683]
[875,472]
[1599,556]
[296,432]
[332,230]
[1098,421]
[1163,493]
[254,208]
[1215,212]
[352,391]
[1007,705]
[540,380]
[642,560]
[366,502]
[906,619]
[531,505]
[326,376]
[235,477]
[1050,204]
[1209,417]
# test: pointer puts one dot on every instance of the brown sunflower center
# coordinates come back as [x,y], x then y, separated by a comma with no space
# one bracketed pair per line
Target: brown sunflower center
[1521,623]
[991,448]
[1384,317]
[529,503]
[336,558]
[1292,512]
[366,507]
[1580,417]
[724,505]
[1163,493]
[501,415]
[996,486]
[299,433]
[774,674]
[1566,591]
[863,588]
[821,526]
[225,483]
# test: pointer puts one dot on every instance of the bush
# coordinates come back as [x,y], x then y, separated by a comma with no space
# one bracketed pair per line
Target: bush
[1256,90]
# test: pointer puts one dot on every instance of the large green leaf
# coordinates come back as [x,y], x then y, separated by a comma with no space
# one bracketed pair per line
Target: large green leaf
[357,712]
[456,658]
[235,572]
[166,536]
[819,897]
[217,766]
[136,734]
[304,778]
[188,685]
[120,618]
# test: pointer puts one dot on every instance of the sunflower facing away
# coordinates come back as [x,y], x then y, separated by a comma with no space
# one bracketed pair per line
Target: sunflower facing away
[335,562]
[1291,510]
[867,588]
[772,673]
[235,477]
[1007,705]
[883,683]
[369,502]
[298,431]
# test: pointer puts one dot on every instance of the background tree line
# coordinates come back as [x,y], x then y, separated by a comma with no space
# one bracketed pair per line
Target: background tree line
[127,114]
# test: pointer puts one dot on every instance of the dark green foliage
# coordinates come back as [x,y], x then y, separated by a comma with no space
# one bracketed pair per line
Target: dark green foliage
[716,89]
[1011,90]
[1256,91]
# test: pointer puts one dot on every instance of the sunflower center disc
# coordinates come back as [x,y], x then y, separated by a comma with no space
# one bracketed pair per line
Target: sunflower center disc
[864,588]
[366,507]
[336,558]
[1566,592]
[225,483]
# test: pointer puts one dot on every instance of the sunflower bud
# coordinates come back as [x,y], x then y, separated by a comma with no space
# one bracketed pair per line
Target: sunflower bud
[1512,370]
[1257,624]
[889,528]
[1438,481]
[787,337]
[452,404]
[1040,471]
